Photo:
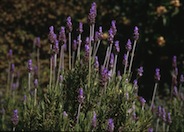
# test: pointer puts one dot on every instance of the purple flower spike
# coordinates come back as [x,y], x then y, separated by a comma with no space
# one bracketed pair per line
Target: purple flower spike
[129,45]
[174,62]
[30,68]
[110,126]
[36,83]
[104,77]
[94,120]
[136,33]
[37,42]
[142,101]
[111,36]
[100,32]
[52,36]
[140,71]
[15,117]
[92,14]
[12,68]
[81,96]
[117,46]
[10,54]
[74,47]
[69,24]
[175,91]
[157,74]
[113,27]
[181,79]
[163,115]
[111,60]
[56,47]
[159,111]
[169,121]
[86,52]
[65,114]
[124,59]
[150,130]
[96,63]
[62,36]
[80,27]
[97,36]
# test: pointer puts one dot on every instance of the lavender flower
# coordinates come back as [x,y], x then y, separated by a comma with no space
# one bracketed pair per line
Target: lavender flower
[15,117]
[111,36]
[62,36]
[56,47]
[150,130]
[163,115]
[86,52]
[36,83]
[97,36]
[140,71]
[74,47]
[35,71]
[136,33]
[159,111]
[113,27]
[157,74]
[30,67]
[52,36]
[80,27]
[65,114]
[92,14]
[96,63]
[169,121]
[142,101]
[117,48]
[125,59]
[81,96]
[94,120]
[14,86]
[181,79]
[12,68]
[110,125]
[37,42]
[128,45]
[174,62]
[69,24]
[111,60]
[10,54]
[104,77]
[100,33]
[175,91]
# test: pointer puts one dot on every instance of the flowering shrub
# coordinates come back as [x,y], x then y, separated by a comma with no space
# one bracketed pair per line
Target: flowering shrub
[86,94]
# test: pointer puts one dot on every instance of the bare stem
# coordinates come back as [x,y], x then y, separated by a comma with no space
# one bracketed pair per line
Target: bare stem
[126,63]
[153,97]
[132,56]
[69,35]
[78,113]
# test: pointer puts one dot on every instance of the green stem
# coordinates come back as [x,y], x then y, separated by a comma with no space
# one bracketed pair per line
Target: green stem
[59,69]
[132,56]
[69,36]
[35,97]
[126,63]
[106,56]
[157,125]
[153,97]
[79,46]
[73,59]
[96,49]
[50,82]
[109,53]
[78,113]
[38,62]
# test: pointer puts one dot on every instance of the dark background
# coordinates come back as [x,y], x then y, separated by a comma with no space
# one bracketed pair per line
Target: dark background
[22,21]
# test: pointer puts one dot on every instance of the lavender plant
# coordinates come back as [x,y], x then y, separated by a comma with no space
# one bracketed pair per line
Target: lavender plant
[88,95]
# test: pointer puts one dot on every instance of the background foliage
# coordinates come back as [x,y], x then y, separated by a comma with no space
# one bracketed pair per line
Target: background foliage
[160,24]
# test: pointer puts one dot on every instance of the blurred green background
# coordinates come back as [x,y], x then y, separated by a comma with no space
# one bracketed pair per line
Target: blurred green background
[160,25]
